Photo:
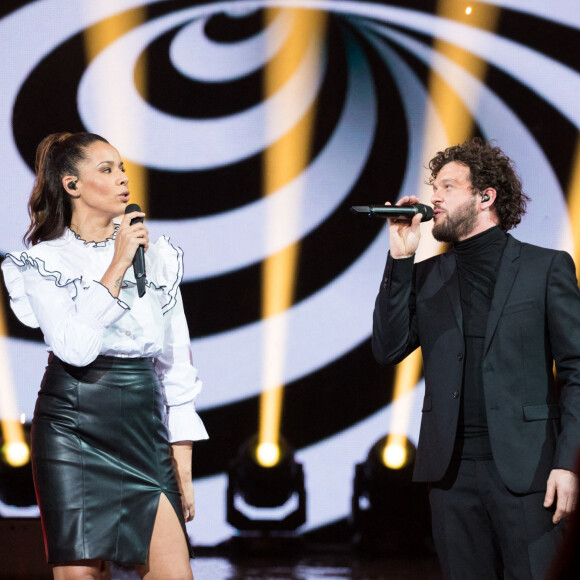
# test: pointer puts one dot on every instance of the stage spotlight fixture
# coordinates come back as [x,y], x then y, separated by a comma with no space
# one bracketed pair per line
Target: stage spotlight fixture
[16,485]
[265,495]
[389,512]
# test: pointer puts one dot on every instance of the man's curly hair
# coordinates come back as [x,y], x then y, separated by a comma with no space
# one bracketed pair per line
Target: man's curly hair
[489,166]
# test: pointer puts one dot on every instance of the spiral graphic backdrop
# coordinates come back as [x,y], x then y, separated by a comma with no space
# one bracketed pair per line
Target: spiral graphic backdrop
[179,91]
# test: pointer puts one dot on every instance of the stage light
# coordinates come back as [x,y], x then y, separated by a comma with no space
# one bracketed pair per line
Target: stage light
[389,512]
[15,449]
[268,454]
[395,454]
[16,484]
[265,498]
[16,453]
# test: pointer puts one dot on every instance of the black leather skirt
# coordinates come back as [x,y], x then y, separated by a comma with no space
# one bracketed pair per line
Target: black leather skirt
[101,459]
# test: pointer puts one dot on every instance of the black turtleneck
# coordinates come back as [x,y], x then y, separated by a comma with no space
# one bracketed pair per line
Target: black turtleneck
[477,261]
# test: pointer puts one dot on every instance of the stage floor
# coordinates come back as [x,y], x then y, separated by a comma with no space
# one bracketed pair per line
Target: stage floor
[242,558]
[323,564]
[326,568]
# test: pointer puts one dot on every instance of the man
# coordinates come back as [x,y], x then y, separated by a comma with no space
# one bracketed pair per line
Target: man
[498,437]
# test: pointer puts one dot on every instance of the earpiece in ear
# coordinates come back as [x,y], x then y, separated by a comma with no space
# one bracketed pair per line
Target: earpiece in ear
[484,197]
[72,185]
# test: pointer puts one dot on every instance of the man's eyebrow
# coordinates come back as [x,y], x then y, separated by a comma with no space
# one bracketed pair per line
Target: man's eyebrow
[447,180]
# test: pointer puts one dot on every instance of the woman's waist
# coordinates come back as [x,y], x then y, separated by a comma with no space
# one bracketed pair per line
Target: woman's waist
[107,362]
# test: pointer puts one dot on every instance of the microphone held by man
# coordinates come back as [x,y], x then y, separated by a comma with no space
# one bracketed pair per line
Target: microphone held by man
[394,211]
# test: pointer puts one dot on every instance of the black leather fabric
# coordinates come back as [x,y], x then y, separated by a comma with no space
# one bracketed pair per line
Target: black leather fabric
[101,459]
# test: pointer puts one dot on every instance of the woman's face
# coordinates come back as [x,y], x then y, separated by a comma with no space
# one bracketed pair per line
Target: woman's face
[102,186]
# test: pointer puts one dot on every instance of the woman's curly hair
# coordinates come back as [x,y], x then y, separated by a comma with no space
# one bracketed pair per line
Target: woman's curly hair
[489,167]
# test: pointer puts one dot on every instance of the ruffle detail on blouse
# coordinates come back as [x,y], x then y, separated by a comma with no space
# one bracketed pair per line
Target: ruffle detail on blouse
[164,270]
[163,264]
[95,244]
[12,267]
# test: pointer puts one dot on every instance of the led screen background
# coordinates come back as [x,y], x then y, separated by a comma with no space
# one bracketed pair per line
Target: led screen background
[197,128]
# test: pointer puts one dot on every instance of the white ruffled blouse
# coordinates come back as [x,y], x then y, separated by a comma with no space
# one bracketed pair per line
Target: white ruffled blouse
[54,285]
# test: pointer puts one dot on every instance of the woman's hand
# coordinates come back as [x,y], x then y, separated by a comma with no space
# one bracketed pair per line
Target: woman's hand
[127,240]
[182,453]
[187,500]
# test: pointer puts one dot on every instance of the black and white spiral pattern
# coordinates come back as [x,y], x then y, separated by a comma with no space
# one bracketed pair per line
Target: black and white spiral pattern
[199,128]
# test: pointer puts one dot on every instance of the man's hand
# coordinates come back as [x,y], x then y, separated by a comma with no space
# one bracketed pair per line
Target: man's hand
[404,235]
[562,485]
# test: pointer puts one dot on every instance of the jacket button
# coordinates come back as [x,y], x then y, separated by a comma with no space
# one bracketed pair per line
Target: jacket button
[455,394]
[460,357]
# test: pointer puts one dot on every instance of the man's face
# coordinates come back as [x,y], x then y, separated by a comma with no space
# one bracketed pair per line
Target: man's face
[454,204]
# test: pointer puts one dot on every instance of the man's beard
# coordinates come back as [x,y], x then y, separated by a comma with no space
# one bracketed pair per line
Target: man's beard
[458,225]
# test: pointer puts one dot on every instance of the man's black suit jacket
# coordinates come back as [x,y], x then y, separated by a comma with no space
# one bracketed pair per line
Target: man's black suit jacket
[534,320]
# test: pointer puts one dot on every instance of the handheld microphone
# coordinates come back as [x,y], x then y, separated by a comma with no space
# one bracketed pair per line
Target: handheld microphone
[139,259]
[395,212]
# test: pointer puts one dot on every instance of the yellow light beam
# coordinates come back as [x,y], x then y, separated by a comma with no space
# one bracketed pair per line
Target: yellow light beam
[15,449]
[407,375]
[283,161]
[96,39]
[455,115]
[574,204]
[458,125]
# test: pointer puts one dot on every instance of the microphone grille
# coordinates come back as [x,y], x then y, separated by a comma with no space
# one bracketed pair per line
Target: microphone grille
[426,211]
[132,207]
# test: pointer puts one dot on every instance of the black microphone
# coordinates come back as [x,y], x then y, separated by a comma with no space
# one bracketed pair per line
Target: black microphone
[139,259]
[394,211]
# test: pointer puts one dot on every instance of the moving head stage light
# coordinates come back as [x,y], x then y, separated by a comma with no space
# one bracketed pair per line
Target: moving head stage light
[264,498]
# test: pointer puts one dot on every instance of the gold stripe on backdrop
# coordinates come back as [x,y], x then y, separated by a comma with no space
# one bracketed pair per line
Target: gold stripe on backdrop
[96,39]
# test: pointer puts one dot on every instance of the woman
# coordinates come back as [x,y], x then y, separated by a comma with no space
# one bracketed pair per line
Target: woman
[102,463]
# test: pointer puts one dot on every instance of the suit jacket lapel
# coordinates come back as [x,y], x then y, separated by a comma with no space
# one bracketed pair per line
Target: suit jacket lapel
[508,268]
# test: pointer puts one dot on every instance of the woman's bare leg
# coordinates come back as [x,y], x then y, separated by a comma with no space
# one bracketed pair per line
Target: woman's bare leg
[84,570]
[168,554]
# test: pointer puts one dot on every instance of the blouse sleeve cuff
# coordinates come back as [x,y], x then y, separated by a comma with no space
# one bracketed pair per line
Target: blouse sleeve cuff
[184,424]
